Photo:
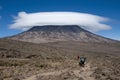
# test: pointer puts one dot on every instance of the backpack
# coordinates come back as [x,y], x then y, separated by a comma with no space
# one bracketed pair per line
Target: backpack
[82,59]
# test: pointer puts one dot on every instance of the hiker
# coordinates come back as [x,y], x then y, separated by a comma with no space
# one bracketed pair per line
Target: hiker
[82,61]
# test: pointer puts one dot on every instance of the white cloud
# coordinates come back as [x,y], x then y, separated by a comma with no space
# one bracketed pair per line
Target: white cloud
[89,22]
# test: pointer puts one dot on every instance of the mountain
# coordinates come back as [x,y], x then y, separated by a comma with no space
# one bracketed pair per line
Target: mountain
[53,33]
[58,60]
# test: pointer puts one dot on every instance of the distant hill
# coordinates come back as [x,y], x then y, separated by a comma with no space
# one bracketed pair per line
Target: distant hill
[53,33]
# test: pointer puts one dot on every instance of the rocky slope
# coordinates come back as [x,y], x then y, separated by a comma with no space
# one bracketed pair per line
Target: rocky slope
[58,61]
[53,33]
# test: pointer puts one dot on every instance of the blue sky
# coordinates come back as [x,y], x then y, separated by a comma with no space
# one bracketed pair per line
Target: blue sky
[104,8]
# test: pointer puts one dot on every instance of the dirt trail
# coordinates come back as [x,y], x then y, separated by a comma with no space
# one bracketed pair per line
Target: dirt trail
[84,73]
[55,73]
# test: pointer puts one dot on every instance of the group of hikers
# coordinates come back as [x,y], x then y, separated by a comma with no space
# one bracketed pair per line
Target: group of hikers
[82,60]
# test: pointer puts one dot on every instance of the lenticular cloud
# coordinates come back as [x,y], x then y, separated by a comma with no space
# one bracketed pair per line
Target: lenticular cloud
[89,22]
